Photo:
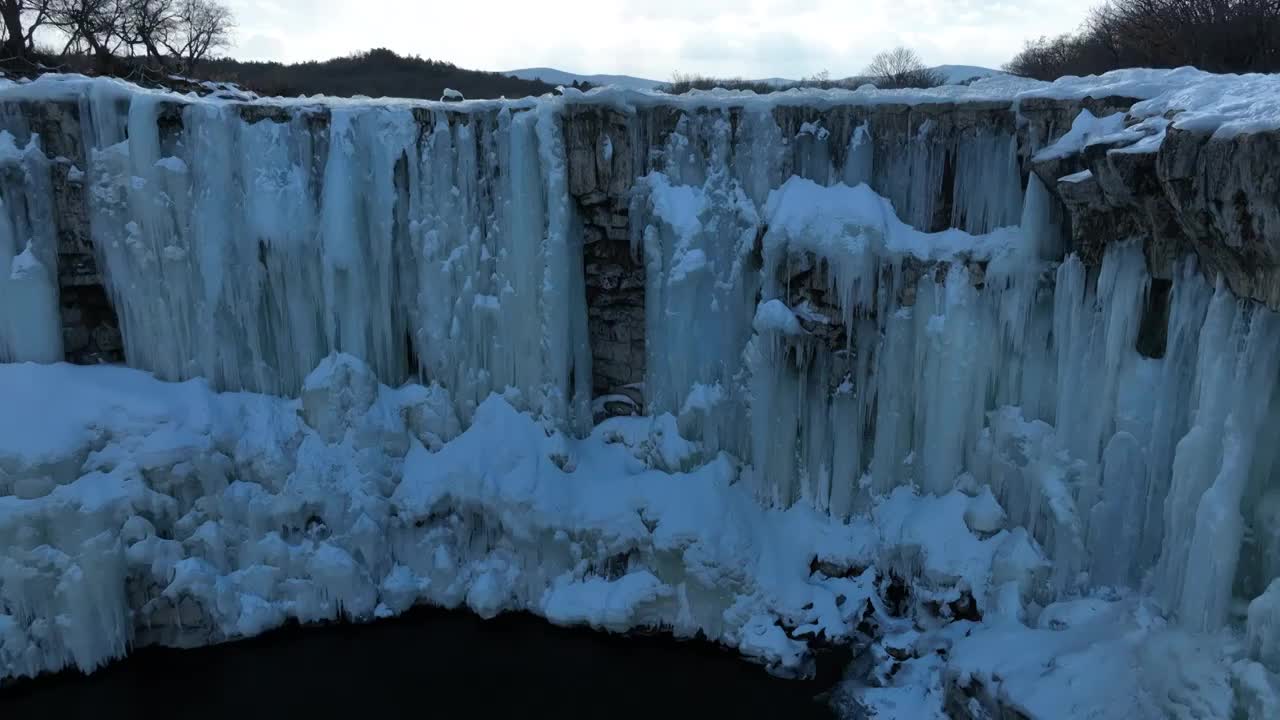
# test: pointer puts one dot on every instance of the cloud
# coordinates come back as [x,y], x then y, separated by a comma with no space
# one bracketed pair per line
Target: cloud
[753,38]
[259,47]
[750,53]
[680,10]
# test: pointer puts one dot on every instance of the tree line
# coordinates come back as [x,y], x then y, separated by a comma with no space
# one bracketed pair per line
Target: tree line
[376,73]
[163,34]
[1225,36]
[891,69]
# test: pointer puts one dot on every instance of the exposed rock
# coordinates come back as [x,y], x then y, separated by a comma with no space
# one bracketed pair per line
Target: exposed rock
[1218,197]
[600,174]
[252,113]
[1094,223]
[1225,194]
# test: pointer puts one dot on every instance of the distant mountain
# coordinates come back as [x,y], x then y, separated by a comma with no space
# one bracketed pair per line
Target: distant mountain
[551,76]
[952,74]
[961,74]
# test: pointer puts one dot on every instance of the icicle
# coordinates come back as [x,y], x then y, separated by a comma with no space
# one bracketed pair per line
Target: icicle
[698,239]
[988,182]
[910,174]
[30,320]
[1175,400]
[1114,528]
[858,160]
[813,154]
[1214,550]
[564,319]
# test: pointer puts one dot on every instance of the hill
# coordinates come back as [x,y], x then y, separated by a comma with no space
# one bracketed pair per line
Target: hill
[962,74]
[375,73]
[952,75]
[562,77]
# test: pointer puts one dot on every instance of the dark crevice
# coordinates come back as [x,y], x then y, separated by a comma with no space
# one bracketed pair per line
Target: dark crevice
[1153,333]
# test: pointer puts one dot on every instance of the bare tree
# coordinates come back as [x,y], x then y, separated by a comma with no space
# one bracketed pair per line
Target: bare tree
[1051,58]
[99,27]
[200,27]
[150,24]
[1214,35]
[901,68]
[21,19]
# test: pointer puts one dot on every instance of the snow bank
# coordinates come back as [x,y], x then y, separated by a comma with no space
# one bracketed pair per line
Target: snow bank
[192,517]
[184,516]
[1224,105]
[1085,129]
[839,221]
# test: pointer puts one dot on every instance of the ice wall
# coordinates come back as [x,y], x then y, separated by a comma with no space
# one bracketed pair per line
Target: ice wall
[431,244]
[814,329]
[848,299]
[29,324]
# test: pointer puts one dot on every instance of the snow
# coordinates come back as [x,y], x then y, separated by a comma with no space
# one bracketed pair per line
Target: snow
[840,221]
[229,513]
[1222,104]
[1085,129]
[1077,177]
[1111,661]
[956,74]
[774,316]
[552,76]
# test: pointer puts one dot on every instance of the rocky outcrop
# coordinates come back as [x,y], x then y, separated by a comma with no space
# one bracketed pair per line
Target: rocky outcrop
[599,151]
[1189,191]
[1225,195]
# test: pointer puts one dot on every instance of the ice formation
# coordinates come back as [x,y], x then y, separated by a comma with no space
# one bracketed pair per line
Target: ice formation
[865,361]
[29,324]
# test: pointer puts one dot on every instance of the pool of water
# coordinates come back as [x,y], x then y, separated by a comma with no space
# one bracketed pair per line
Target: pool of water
[428,663]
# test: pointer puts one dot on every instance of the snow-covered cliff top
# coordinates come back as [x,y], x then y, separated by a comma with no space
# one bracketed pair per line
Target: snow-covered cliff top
[1224,104]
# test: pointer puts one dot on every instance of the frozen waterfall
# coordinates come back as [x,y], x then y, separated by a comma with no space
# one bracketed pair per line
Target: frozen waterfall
[842,306]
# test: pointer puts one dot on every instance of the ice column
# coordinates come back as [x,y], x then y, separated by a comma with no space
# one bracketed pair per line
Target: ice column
[30,321]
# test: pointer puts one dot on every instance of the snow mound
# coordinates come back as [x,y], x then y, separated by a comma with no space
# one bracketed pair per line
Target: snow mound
[168,513]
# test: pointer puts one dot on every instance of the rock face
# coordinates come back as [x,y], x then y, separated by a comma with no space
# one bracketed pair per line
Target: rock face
[1225,195]
[1218,197]
[599,151]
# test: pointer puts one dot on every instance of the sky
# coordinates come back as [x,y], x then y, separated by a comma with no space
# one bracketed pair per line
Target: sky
[653,38]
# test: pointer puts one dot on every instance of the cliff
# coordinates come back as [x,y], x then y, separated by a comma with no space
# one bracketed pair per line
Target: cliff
[900,361]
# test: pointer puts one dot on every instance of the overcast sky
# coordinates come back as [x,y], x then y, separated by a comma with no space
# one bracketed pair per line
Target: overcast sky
[653,38]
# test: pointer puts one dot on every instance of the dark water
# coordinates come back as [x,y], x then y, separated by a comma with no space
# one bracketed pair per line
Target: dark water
[427,663]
